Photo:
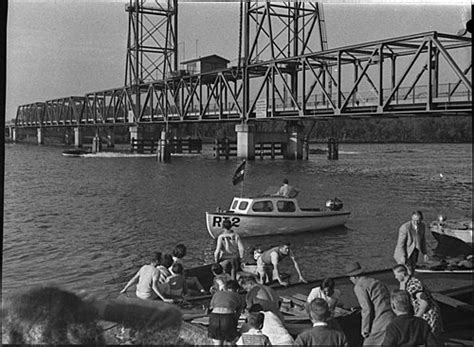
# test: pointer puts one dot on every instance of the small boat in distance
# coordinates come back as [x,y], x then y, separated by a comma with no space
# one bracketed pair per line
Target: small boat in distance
[270,214]
[452,233]
[75,152]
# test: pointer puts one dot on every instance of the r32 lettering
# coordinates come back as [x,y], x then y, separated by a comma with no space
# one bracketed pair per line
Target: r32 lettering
[217,221]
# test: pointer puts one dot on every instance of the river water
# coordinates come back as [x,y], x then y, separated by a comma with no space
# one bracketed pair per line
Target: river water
[89,223]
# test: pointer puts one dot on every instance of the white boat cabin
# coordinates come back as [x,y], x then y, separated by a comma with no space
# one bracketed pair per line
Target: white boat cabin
[266,205]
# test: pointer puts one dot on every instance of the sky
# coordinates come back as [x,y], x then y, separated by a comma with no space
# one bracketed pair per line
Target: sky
[61,48]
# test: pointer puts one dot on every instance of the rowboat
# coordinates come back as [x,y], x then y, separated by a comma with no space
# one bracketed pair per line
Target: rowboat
[454,293]
[270,214]
[456,234]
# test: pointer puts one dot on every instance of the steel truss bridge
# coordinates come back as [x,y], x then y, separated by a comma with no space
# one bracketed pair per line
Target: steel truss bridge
[415,75]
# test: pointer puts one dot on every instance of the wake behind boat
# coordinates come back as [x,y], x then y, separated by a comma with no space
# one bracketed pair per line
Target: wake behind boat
[270,214]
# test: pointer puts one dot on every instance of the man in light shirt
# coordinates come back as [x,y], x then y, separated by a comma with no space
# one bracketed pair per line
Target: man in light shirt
[327,292]
[287,191]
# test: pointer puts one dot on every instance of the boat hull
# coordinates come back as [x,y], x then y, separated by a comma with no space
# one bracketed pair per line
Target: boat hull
[455,235]
[259,225]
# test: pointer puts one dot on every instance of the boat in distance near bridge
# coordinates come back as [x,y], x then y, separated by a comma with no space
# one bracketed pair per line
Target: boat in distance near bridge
[270,215]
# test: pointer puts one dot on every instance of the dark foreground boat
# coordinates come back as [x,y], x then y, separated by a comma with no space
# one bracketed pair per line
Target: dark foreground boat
[453,291]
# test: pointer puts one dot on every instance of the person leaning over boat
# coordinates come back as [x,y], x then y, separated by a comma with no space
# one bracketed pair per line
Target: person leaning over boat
[321,334]
[327,292]
[411,241]
[406,329]
[229,249]
[423,303]
[192,283]
[272,257]
[226,307]
[286,190]
[260,294]
[374,299]
[147,277]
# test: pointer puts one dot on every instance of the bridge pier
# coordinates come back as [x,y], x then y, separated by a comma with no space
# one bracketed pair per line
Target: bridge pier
[13,133]
[77,137]
[164,154]
[96,144]
[40,133]
[245,141]
[136,133]
[295,140]
[110,138]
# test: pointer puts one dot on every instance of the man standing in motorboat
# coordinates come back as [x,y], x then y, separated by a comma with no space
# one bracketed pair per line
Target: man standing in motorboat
[229,249]
[411,241]
[287,191]
[272,257]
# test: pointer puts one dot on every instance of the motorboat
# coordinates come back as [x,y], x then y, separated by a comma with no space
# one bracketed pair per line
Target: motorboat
[75,153]
[272,214]
[452,232]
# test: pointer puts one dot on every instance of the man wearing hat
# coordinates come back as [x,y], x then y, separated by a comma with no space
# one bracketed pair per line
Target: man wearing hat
[374,300]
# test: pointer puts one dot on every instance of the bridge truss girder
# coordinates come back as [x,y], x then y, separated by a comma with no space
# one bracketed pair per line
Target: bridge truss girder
[152,40]
[391,77]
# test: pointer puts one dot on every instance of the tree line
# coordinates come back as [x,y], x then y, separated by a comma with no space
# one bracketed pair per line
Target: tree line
[447,129]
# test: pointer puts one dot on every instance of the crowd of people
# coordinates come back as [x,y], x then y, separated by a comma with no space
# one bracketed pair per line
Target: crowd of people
[387,319]
[404,317]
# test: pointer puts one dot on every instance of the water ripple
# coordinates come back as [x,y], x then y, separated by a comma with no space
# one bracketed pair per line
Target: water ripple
[92,223]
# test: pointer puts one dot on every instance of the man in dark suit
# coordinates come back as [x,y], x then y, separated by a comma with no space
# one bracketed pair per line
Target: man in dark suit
[374,300]
[411,241]
[406,329]
[321,334]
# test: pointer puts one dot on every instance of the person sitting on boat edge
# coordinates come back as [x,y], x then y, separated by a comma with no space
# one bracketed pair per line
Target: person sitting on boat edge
[192,283]
[177,282]
[286,190]
[273,256]
[254,335]
[225,307]
[327,292]
[147,277]
[166,263]
[411,241]
[229,249]
[220,278]
[406,329]
[321,334]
